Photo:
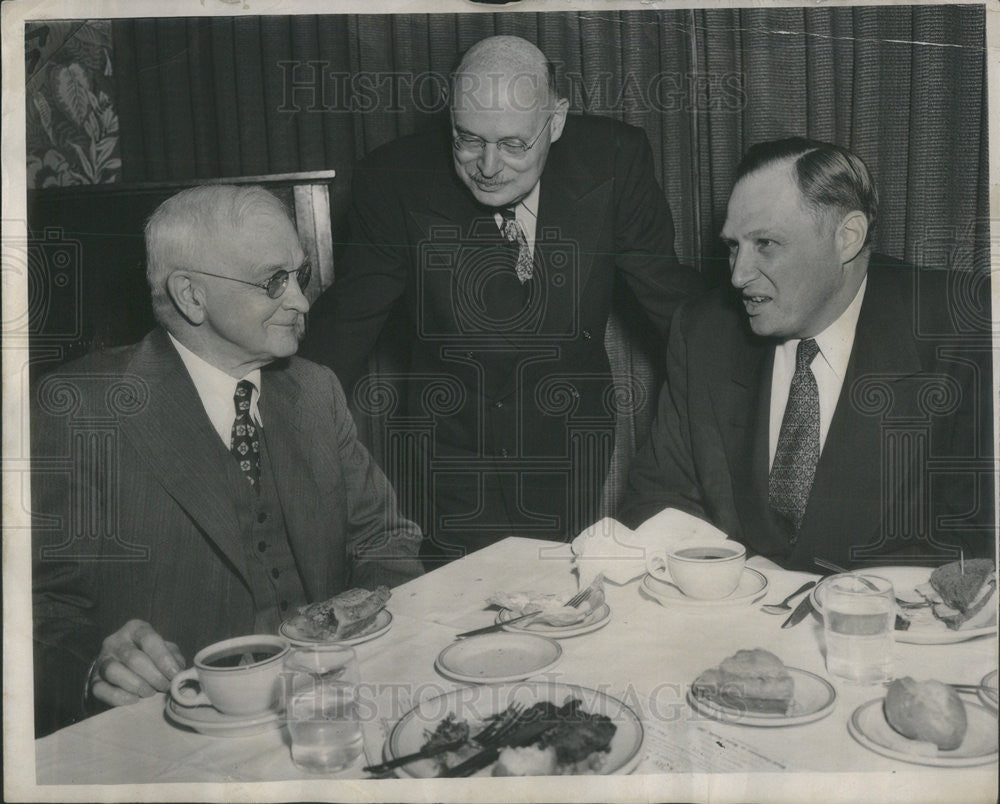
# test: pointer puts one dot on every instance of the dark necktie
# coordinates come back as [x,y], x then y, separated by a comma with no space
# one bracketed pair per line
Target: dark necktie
[514,234]
[244,443]
[797,454]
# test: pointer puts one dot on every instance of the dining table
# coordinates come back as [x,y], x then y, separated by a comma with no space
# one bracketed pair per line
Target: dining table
[646,656]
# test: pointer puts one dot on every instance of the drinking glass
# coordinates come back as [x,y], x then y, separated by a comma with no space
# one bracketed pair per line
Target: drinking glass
[320,694]
[859,614]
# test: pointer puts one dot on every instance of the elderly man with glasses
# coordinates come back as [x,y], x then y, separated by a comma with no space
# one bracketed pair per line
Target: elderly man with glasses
[203,483]
[502,237]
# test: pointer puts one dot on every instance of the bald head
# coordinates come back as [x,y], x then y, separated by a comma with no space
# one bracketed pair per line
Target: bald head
[505,70]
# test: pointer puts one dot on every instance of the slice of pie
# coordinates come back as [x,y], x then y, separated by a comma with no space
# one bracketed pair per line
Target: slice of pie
[349,614]
[751,681]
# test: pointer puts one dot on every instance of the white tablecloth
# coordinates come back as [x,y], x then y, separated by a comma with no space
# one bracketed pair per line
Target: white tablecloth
[646,656]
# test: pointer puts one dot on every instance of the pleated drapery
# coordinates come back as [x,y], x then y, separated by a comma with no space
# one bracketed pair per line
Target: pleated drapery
[903,86]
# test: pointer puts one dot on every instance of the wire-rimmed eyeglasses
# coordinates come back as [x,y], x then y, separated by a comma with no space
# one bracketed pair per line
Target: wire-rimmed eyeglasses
[470,143]
[275,286]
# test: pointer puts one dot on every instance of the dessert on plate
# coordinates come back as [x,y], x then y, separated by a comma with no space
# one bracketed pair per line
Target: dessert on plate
[751,681]
[350,614]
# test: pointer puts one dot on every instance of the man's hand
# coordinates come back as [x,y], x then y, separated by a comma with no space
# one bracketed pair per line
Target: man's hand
[135,662]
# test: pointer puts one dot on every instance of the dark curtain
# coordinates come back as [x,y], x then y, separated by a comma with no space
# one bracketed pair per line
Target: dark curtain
[902,86]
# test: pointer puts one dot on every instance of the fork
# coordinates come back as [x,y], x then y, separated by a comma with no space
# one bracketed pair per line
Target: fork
[576,600]
[496,730]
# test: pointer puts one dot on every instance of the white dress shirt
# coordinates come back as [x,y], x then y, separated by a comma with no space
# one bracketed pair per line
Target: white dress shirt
[828,367]
[526,215]
[217,389]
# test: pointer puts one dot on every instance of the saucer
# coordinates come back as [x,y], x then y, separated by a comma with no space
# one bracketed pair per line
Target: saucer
[751,587]
[210,721]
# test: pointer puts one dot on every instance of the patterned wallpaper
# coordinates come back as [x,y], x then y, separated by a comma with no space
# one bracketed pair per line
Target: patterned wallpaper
[72,127]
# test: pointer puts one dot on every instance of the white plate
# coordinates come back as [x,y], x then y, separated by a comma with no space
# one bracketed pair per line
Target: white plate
[904,582]
[475,704]
[495,658]
[210,721]
[598,618]
[383,622]
[870,728]
[812,700]
[988,693]
[751,587]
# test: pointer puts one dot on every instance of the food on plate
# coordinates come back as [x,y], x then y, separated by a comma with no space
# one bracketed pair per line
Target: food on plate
[574,742]
[344,616]
[928,711]
[961,593]
[553,608]
[751,681]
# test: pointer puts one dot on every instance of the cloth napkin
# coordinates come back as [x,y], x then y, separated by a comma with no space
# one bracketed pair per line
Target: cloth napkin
[620,553]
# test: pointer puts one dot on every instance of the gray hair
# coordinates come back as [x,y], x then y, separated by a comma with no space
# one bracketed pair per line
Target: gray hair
[177,230]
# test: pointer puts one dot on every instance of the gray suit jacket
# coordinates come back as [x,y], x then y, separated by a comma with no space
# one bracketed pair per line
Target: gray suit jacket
[134,510]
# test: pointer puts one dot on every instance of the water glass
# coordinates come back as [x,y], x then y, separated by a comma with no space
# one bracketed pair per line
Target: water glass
[859,614]
[320,694]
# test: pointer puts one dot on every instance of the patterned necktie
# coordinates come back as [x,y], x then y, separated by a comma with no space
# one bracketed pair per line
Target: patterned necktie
[513,232]
[797,454]
[244,443]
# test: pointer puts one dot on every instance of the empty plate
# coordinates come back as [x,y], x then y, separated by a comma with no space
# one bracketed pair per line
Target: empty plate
[751,587]
[870,728]
[494,658]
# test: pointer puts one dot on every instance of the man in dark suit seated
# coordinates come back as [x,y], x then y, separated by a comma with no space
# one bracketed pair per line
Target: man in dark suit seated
[839,406]
[204,482]
[502,235]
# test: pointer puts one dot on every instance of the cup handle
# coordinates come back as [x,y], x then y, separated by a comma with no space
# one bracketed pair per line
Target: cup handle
[656,562]
[183,698]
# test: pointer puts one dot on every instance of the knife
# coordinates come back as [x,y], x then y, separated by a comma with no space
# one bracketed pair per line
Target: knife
[801,610]
[489,629]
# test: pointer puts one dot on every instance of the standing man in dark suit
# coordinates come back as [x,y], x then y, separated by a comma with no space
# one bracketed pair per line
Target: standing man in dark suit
[503,237]
[204,482]
[839,407]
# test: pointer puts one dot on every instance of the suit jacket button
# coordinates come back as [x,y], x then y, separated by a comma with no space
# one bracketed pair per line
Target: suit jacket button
[262,517]
[275,572]
[586,335]
[262,546]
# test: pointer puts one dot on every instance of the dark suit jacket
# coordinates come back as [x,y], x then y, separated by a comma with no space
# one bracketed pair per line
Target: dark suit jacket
[906,468]
[516,389]
[134,514]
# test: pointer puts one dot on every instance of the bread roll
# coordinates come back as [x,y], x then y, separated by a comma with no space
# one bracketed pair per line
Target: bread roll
[926,710]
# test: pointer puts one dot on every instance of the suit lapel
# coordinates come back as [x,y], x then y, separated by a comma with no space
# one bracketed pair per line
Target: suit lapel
[173,434]
[743,409]
[570,204]
[287,435]
[845,505]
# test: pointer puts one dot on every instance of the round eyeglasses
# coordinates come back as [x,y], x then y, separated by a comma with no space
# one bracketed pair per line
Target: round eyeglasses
[275,286]
[470,143]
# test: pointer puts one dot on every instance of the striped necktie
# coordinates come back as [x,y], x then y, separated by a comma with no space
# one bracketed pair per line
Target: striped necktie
[512,231]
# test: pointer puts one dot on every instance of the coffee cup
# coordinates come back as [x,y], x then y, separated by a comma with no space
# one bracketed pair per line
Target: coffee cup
[701,570]
[238,676]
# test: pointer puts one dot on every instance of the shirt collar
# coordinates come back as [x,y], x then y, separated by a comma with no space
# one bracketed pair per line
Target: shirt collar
[836,341]
[530,201]
[216,389]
